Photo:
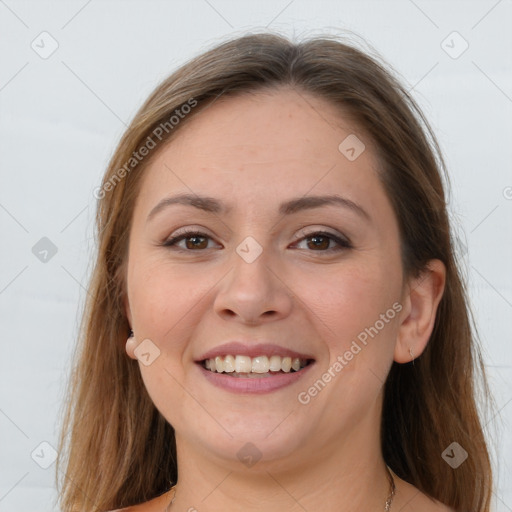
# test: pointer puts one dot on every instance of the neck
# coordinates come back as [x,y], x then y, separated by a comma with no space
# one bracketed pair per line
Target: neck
[347,475]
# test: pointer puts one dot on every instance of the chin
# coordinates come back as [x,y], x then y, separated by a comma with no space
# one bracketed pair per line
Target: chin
[260,441]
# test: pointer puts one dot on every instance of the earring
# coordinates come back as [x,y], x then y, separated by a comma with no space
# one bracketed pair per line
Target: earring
[412,355]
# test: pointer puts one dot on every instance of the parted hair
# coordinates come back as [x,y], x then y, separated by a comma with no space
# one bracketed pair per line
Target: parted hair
[116,449]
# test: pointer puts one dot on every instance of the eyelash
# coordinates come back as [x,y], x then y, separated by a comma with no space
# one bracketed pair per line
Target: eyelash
[343,244]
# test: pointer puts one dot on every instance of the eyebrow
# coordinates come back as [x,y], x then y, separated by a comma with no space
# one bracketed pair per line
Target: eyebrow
[212,205]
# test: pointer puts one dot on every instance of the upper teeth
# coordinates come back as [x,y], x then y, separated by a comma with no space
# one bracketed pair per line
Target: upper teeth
[259,364]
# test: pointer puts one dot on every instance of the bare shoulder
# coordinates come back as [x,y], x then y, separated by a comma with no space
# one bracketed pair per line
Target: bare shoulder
[409,499]
[422,503]
[155,505]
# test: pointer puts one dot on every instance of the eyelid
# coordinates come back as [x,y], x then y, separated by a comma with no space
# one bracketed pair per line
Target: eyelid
[183,233]
[192,230]
[315,230]
[343,242]
[340,239]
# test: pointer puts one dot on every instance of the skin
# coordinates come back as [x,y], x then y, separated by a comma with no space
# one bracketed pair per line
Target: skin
[252,153]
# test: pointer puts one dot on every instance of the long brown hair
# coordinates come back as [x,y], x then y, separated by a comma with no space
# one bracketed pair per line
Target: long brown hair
[116,449]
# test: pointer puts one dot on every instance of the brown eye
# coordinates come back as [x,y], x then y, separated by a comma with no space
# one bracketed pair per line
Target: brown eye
[190,241]
[323,241]
[318,242]
[196,242]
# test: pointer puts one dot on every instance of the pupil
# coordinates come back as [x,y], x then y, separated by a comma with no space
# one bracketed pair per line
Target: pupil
[196,242]
[319,242]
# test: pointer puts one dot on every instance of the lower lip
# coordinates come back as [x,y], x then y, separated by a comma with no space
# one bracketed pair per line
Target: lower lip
[248,385]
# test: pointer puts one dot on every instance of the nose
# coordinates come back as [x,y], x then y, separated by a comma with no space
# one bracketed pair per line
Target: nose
[253,293]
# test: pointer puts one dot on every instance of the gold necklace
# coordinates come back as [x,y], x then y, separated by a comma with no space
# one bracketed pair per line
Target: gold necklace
[173,488]
[387,505]
[392,489]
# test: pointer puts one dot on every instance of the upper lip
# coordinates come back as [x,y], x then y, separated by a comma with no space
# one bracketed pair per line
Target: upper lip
[252,350]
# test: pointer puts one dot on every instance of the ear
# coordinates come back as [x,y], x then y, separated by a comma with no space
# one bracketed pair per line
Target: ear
[131,343]
[421,297]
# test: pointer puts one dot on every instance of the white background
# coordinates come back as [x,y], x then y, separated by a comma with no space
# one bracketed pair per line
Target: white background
[61,117]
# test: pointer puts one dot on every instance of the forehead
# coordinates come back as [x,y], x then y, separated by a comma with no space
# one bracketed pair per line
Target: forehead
[265,144]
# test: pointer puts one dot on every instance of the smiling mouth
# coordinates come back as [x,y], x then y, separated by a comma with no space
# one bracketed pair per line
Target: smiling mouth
[255,367]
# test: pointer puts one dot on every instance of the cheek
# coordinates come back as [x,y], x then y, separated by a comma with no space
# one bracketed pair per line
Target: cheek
[153,304]
[349,302]
[166,299]
[347,311]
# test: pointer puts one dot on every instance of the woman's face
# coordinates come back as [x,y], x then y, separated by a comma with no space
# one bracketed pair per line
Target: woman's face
[275,238]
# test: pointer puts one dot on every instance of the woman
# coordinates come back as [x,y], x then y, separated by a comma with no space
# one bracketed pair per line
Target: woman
[276,320]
